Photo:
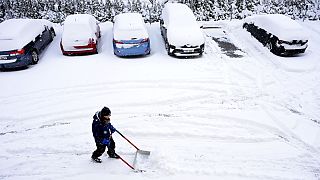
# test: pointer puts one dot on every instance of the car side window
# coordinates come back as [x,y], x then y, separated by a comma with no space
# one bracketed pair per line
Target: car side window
[38,38]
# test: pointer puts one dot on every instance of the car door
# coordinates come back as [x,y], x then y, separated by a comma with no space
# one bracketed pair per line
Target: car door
[45,37]
[163,30]
[38,43]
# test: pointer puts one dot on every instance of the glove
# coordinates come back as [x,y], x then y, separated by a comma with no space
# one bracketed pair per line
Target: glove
[105,142]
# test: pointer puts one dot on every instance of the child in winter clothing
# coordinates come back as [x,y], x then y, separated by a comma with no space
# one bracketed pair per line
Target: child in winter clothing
[102,132]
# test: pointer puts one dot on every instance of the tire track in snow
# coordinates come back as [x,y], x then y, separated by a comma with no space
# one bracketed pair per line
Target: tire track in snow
[278,75]
[183,148]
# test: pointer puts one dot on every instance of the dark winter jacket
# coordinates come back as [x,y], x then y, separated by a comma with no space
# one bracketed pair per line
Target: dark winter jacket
[101,130]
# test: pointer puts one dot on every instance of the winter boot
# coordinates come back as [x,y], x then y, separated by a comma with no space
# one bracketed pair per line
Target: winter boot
[95,159]
[114,155]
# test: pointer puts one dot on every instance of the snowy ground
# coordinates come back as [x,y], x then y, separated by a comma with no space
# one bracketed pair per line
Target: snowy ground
[249,116]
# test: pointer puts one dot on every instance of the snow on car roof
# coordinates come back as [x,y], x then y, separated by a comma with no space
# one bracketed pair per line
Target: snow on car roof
[280,25]
[16,33]
[79,26]
[129,25]
[178,14]
[128,21]
[79,19]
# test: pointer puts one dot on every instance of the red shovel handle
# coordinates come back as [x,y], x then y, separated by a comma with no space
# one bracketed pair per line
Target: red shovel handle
[125,162]
[127,140]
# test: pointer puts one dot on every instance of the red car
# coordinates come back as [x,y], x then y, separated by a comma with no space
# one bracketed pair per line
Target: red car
[81,34]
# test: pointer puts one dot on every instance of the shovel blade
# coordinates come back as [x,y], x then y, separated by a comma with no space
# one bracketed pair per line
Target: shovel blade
[140,160]
[142,152]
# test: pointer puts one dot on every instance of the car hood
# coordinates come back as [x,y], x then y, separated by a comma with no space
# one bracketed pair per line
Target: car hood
[185,36]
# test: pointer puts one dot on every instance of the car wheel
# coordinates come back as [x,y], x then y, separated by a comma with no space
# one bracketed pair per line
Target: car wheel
[168,50]
[269,46]
[96,50]
[245,26]
[35,57]
[52,34]
[166,45]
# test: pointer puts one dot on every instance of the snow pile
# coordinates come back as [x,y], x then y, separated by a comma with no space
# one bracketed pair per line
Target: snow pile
[16,33]
[279,25]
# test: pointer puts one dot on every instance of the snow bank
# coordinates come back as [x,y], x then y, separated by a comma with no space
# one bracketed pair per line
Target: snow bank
[16,33]
[280,25]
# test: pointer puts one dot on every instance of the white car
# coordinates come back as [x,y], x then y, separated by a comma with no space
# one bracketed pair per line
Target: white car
[130,35]
[81,33]
[281,34]
[180,31]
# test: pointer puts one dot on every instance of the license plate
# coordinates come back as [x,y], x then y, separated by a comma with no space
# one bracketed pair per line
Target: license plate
[3,58]
[188,51]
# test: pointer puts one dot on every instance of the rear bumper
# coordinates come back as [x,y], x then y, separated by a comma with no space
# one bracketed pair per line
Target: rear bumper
[140,49]
[78,51]
[20,62]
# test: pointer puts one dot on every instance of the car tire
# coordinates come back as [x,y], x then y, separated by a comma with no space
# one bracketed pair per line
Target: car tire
[269,46]
[245,26]
[168,50]
[96,51]
[34,57]
[52,34]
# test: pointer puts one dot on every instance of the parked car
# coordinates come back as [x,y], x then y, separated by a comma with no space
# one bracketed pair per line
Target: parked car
[181,32]
[130,35]
[22,41]
[81,34]
[280,34]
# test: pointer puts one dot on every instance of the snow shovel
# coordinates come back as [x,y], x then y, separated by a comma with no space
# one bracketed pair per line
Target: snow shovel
[140,154]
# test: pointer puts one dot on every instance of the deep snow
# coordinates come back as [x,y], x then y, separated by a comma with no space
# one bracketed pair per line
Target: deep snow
[214,117]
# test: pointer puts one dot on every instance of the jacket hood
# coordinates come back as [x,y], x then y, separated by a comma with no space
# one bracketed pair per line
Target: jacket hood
[97,115]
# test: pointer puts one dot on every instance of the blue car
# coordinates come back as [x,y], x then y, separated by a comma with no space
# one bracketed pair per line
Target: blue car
[130,36]
[22,41]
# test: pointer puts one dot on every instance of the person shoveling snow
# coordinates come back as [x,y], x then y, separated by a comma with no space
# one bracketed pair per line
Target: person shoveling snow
[102,131]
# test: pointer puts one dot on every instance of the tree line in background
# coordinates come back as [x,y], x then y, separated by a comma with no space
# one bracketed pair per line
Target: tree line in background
[104,10]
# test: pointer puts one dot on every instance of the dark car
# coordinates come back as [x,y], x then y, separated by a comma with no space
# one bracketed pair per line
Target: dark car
[280,34]
[22,40]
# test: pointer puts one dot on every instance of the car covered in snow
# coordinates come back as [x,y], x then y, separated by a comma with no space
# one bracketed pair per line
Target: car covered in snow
[22,41]
[181,32]
[281,34]
[81,34]
[130,35]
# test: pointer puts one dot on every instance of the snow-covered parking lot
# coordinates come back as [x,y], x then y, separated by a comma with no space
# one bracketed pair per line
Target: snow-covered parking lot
[250,116]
